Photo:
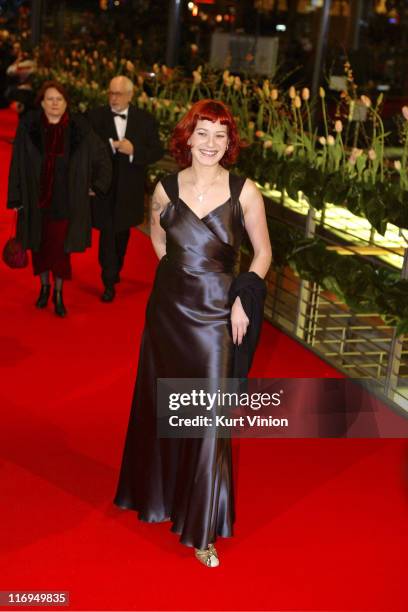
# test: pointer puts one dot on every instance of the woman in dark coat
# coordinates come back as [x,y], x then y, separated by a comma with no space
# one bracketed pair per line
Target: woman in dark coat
[57,161]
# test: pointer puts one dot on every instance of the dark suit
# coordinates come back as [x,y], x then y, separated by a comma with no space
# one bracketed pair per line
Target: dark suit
[123,207]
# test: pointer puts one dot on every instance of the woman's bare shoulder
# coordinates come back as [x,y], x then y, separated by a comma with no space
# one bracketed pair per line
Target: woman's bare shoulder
[159,195]
[249,189]
[250,194]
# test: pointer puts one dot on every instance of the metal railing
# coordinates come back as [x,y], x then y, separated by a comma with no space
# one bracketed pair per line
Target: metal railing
[360,345]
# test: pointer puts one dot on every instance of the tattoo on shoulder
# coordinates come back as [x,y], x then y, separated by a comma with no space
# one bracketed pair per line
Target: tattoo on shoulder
[155,206]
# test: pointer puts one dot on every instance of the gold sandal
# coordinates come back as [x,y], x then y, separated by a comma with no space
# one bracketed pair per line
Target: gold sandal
[208,556]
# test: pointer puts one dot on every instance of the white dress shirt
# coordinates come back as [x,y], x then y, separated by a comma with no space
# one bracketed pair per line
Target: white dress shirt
[120,125]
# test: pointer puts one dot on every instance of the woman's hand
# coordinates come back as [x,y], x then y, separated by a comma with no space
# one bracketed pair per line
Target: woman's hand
[239,321]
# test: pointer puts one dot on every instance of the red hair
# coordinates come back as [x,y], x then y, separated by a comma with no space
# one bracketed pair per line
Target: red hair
[51,85]
[210,110]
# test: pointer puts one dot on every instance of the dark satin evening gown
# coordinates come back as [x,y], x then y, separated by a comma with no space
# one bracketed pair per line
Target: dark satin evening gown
[187,335]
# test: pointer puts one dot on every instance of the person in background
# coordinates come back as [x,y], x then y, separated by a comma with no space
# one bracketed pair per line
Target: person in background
[19,91]
[6,58]
[57,159]
[131,137]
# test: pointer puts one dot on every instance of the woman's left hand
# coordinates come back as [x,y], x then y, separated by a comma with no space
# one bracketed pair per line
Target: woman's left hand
[239,321]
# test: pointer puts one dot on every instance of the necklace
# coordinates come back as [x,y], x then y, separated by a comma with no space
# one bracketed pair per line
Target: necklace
[201,194]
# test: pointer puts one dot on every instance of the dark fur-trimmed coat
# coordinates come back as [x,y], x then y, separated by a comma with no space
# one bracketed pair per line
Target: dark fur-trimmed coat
[89,167]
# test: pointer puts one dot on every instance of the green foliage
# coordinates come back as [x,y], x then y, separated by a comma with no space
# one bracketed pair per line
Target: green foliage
[364,287]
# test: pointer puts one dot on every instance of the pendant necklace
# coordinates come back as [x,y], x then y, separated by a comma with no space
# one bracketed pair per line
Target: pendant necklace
[201,194]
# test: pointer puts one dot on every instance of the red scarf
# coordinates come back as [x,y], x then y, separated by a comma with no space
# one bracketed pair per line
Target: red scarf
[54,146]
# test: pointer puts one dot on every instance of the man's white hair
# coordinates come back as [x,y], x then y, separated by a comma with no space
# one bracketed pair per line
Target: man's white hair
[126,81]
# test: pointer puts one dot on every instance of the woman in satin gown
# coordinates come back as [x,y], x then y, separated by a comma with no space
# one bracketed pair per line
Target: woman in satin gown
[198,219]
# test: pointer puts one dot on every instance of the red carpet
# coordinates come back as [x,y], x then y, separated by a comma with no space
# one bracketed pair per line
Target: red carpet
[322,524]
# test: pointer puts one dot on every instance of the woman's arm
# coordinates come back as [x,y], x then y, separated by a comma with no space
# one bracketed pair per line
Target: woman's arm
[157,233]
[257,229]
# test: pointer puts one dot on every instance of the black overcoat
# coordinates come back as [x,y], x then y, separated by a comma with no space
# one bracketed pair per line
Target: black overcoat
[125,201]
[89,166]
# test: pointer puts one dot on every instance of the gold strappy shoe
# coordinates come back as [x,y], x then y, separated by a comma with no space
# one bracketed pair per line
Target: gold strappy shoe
[208,557]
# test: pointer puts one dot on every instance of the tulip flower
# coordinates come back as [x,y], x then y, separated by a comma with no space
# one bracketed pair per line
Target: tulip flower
[366,101]
[196,77]
[356,152]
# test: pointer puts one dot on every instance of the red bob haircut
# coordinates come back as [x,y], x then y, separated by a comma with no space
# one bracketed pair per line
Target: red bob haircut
[54,85]
[210,110]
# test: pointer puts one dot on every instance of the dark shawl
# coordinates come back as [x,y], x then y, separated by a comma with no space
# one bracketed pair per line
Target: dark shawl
[251,290]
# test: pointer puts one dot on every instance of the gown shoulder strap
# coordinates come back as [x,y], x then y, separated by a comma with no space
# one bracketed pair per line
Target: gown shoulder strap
[170,185]
[236,185]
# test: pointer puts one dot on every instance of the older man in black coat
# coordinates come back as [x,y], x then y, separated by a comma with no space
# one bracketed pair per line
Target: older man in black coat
[132,139]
